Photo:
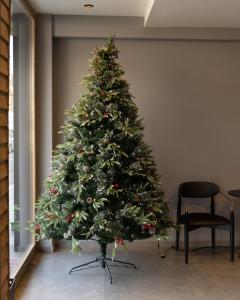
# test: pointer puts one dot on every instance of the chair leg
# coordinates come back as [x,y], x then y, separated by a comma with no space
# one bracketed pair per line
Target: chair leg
[186,238]
[232,233]
[213,237]
[178,221]
[186,243]
[177,238]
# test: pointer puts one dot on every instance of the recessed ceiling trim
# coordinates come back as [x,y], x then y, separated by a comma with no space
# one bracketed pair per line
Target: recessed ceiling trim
[148,11]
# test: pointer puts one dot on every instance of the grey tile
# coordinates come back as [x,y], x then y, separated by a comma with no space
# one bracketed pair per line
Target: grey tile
[207,277]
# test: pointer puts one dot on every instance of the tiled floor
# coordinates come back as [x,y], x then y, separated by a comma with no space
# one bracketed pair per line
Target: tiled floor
[207,277]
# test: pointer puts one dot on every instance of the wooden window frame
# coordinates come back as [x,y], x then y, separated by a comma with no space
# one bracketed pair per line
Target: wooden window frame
[5,20]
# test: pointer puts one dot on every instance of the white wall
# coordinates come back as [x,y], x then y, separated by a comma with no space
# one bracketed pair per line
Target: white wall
[188,94]
[186,85]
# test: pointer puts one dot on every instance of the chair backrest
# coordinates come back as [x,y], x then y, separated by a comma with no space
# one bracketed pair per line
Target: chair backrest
[198,189]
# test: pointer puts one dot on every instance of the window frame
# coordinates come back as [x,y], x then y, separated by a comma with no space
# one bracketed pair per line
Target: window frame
[18,273]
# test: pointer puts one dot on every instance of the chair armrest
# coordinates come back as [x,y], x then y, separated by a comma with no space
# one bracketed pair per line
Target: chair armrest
[229,199]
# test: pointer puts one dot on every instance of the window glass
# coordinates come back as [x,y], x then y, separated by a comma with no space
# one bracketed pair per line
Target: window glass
[20,193]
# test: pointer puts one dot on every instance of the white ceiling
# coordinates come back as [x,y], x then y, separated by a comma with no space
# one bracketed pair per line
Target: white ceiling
[101,7]
[156,13]
[194,13]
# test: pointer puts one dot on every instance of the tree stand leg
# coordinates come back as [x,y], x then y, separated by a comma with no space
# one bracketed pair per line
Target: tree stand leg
[103,262]
[103,254]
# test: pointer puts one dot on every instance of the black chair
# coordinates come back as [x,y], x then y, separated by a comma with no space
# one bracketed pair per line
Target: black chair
[195,220]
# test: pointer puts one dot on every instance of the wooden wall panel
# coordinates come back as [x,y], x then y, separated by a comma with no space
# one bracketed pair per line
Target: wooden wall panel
[4,48]
[3,118]
[3,153]
[4,96]
[3,84]
[3,187]
[3,205]
[4,66]
[4,31]
[3,169]
[3,239]
[3,223]
[3,101]
[7,4]
[3,136]
[5,14]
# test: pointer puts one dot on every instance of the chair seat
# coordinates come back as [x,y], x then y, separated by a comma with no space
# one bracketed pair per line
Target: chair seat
[204,220]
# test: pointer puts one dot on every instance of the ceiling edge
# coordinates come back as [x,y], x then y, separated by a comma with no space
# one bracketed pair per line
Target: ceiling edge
[148,11]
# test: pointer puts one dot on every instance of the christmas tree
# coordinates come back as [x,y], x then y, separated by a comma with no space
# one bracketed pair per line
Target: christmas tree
[104,184]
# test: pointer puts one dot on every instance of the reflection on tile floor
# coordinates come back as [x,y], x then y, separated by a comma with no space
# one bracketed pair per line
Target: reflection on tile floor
[207,277]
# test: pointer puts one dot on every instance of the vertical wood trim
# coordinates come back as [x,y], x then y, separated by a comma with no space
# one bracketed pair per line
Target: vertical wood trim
[5,20]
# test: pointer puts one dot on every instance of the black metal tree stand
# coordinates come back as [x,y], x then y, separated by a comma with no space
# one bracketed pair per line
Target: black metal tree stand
[103,262]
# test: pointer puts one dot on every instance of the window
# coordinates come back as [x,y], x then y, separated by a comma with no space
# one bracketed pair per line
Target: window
[21,137]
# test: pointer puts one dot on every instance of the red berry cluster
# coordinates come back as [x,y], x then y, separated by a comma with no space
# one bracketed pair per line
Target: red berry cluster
[148,226]
[80,150]
[138,198]
[106,114]
[37,228]
[116,186]
[119,241]
[54,191]
[70,218]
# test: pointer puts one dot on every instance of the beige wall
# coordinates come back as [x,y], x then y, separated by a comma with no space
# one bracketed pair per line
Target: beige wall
[132,28]
[188,94]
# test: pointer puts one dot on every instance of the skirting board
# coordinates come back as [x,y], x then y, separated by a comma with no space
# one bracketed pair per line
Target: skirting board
[46,246]
[140,245]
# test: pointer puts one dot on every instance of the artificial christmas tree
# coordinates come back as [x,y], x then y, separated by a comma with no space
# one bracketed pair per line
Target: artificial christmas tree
[104,183]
